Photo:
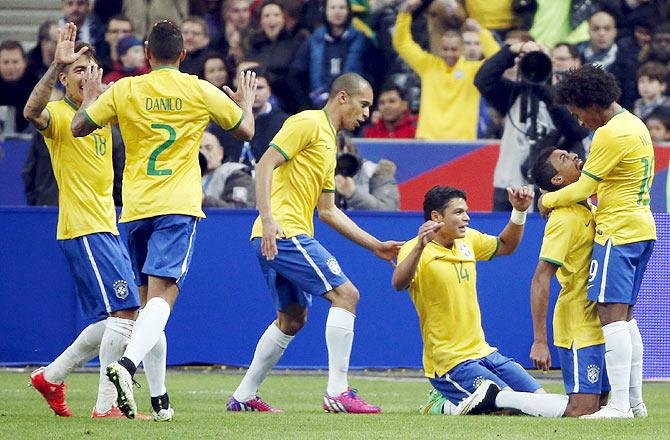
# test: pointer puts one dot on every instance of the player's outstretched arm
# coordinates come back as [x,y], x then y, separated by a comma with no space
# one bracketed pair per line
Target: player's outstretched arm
[331,215]
[404,272]
[35,108]
[510,237]
[270,160]
[81,125]
[539,303]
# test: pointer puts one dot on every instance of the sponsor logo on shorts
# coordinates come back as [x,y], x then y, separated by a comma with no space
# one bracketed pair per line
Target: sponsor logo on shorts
[478,381]
[121,289]
[334,266]
[592,373]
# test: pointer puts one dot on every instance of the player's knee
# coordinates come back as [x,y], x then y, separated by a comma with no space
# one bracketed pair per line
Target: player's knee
[349,294]
[291,325]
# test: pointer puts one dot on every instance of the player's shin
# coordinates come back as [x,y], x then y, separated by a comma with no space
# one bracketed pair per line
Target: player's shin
[112,346]
[533,404]
[82,350]
[618,355]
[339,340]
[148,330]
[154,367]
[636,364]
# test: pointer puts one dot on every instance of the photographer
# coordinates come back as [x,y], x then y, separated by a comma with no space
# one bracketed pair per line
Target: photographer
[531,117]
[363,184]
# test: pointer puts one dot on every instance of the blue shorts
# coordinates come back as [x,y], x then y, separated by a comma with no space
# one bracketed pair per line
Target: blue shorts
[103,278]
[161,246]
[302,268]
[464,378]
[584,369]
[616,272]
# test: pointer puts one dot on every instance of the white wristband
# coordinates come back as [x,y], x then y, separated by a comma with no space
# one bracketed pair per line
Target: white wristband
[518,217]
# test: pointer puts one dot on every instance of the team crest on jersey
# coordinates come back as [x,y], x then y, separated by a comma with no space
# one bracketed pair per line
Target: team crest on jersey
[334,266]
[464,250]
[478,381]
[592,373]
[121,289]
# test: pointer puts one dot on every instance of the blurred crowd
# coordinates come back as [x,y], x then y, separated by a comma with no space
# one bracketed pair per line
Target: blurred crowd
[441,70]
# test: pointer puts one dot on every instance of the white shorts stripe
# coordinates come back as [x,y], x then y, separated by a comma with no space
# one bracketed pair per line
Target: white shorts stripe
[101,285]
[311,262]
[184,264]
[457,386]
[603,281]
[575,369]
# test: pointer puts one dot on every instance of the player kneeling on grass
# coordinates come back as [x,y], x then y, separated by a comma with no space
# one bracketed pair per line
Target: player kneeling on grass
[439,269]
[566,253]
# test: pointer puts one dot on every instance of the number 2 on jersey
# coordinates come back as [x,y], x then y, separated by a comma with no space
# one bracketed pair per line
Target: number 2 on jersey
[151,166]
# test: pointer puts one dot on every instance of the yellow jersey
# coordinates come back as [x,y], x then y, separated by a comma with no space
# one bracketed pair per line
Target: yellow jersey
[567,243]
[307,142]
[84,172]
[449,99]
[492,14]
[620,170]
[444,292]
[162,116]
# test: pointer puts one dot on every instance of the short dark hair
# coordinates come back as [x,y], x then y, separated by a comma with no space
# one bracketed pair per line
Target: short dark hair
[661,28]
[122,17]
[391,87]
[165,41]
[438,197]
[352,83]
[212,55]
[263,72]
[586,86]
[660,114]
[572,49]
[653,71]
[542,171]
[43,30]
[199,21]
[12,45]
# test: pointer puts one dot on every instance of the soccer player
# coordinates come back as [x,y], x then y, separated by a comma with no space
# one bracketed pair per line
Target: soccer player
[293,177]
[566,253]
[439,269]
[620,170]
[162,116]
[87,231]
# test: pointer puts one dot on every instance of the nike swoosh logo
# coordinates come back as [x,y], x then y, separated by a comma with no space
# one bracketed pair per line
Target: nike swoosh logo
[587,224]
[589,286]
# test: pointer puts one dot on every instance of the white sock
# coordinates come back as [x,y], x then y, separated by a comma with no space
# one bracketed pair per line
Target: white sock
[148,329]
[618,356]
[154,367]
[269,350]
[339,339]
[82,350]
[636,364]
[533,404]
[113,343]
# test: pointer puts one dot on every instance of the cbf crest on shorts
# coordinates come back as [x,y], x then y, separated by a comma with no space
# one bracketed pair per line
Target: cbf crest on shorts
[121,289]
[334,266]
[592,373]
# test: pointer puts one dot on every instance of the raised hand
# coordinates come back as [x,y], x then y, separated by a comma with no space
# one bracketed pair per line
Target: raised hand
[65,54]
[521,198]
[246,90]
[92,80]
[427,232]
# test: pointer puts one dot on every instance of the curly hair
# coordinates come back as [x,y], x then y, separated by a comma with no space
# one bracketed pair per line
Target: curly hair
[588,86]
[438,197]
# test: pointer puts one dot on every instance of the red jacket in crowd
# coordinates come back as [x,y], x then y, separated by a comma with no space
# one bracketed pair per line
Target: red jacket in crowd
[405,128]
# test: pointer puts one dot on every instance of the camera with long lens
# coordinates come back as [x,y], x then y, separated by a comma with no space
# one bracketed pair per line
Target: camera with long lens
[535,68]
[348,164]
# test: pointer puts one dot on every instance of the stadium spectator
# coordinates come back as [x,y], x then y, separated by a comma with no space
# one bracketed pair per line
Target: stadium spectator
[269,120]
[472,46]
[521,138]
[652,83]
[393,119]
[41,56]
[554,22]
[233,35]
[334,48]
[211,11]
[660,45]
[603,50]
[119,26]
[215,70]
[372,188]
[39,182]
[275,49]
[224,184]
[132,61]
[145,13]
[450,103]
[196,39]
[564,57]
[439,268]
[658,124]
[89,27]
[16,80]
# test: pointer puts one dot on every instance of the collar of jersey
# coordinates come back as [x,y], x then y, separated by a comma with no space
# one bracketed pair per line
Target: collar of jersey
[164,67]
[70,103]
[329,123]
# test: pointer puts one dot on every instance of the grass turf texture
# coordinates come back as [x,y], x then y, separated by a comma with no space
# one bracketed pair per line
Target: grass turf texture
[199,402]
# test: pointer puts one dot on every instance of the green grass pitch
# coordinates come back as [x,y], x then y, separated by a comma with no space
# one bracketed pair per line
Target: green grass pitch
[199,401]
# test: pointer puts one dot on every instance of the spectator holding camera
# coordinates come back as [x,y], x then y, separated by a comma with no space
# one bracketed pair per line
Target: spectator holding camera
[363,184]
[450,103]
[530,114]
